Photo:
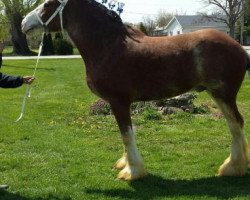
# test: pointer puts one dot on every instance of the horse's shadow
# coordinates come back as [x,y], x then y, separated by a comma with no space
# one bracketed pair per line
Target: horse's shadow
[5,194]
[155,186]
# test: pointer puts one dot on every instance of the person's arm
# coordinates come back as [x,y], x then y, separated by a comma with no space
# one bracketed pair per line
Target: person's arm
[7,81]
[1,50]
[1,60]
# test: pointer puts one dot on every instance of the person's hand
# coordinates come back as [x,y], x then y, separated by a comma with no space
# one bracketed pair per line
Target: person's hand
[28,79]
[1,46]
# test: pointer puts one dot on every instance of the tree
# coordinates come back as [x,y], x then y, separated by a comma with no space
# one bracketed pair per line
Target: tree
[4,28]
[61,45]
[142,28]
[161,20]
[245,22]
[227,11]
[14,10]
[149,25]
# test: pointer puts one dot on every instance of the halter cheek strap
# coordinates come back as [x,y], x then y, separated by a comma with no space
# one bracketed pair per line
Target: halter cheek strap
[58,10]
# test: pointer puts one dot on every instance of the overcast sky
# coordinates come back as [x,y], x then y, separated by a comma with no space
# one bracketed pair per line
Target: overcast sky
[134,10]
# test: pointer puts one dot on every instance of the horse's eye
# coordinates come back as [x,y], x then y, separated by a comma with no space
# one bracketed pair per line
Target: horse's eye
[46,5]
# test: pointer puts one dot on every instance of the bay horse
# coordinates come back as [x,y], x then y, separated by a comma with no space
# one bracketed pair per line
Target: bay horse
[123,65]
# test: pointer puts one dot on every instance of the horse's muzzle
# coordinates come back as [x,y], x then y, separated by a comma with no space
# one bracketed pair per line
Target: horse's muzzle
[30,22]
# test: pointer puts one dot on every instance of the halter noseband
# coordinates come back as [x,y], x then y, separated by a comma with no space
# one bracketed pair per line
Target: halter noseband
[58,10]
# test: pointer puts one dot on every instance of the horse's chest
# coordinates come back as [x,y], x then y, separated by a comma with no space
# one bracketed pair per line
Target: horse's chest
[92,86]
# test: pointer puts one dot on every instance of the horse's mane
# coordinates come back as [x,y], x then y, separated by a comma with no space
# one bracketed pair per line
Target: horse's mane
[107,23]
[111,15]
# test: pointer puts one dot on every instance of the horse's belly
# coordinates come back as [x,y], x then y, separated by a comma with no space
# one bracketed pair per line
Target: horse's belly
[154,92]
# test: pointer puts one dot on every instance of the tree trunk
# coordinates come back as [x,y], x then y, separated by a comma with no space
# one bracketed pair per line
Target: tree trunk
[232,29]
[231,32]
[19,41]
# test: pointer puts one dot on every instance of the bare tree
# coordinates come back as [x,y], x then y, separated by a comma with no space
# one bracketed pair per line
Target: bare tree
[149,25]
[160,20]
[163,18]
[227,11]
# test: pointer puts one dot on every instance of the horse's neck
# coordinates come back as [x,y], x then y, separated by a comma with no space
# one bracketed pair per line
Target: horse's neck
[93,39]
[94,50]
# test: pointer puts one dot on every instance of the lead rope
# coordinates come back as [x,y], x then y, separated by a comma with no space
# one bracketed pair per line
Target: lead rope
[29,88]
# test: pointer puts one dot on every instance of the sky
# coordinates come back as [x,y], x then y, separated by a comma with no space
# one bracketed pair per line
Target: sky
[135,10]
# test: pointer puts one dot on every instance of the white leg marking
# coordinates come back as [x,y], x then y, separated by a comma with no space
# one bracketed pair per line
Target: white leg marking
[121,163]
[237,163]
[134,168]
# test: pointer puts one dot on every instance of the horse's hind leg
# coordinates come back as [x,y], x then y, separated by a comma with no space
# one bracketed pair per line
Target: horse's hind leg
[237,163]
[131,164]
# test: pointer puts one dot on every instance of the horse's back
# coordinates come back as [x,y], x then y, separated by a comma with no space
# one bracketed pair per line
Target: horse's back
[208,50]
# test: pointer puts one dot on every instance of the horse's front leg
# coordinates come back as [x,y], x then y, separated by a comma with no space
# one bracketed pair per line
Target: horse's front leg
[131,164]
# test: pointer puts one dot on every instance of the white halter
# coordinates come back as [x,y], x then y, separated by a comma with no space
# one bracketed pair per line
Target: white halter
[58,10]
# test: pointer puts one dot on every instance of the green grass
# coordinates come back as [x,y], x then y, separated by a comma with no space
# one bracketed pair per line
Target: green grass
[7,50]
[60,152]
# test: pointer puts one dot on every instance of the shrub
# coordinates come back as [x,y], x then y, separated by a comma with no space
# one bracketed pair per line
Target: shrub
[202,109]
[62,46]
[100,107]
[154,110]
[151,113]
[48,48]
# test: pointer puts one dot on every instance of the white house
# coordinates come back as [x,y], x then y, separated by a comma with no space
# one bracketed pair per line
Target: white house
[189,23]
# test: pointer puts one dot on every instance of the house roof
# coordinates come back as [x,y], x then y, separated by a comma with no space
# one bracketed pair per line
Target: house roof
[196,21]
[192,21]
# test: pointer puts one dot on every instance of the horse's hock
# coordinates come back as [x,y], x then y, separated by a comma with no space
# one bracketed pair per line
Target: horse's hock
[182,103]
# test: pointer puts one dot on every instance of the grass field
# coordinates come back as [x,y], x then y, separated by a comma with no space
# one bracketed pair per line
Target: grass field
[59,152]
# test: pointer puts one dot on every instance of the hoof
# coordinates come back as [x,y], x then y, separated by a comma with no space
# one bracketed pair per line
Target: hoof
[132,173]
[230,168]
[121,163]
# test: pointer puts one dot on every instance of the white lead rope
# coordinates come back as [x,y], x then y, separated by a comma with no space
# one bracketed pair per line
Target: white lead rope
[59,11]
[29,88]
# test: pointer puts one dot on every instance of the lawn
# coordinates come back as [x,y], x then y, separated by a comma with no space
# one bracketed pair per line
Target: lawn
[59,152]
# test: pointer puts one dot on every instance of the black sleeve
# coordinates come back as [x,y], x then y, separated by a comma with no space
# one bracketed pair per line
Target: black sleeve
[7,81]
[1,60]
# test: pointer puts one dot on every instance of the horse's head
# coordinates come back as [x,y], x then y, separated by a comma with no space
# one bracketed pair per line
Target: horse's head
[48,14]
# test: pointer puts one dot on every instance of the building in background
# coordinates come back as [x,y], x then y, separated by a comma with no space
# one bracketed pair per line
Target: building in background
[189,23]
